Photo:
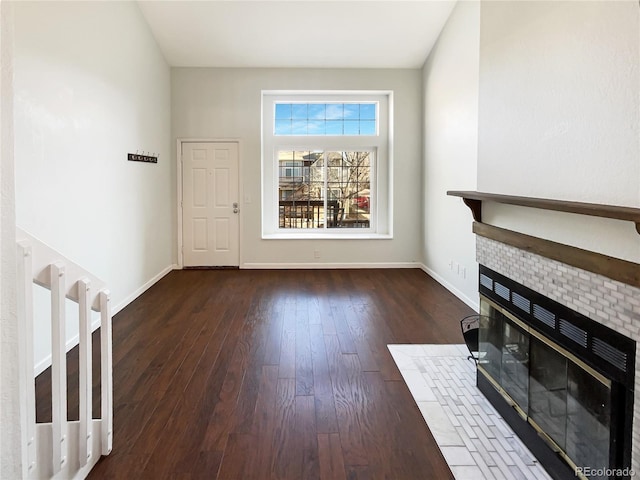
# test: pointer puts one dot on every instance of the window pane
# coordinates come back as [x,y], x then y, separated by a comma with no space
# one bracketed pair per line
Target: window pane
[317,111]
[351,127]
[367,127]
[348,180]
[335,111]
[301,189]
[283,127]
[283,111]
[352,111]
[316,127]
[367,111]
[334,127]
[325,119]
[299,127]
[299,111]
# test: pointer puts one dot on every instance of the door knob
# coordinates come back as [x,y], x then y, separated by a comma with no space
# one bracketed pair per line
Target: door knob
[235,207]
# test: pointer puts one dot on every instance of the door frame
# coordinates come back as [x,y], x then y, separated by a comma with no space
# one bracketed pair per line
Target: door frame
[179,143]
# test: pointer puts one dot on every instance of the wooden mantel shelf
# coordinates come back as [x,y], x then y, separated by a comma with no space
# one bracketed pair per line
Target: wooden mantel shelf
[474,201]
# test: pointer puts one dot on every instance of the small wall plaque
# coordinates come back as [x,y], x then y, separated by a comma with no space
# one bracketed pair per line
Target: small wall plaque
[136,157]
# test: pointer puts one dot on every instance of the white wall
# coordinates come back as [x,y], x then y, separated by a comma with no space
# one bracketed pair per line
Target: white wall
[450,78]
[557,107]
[91,86]
[225,103]
[559,116]
[10,427]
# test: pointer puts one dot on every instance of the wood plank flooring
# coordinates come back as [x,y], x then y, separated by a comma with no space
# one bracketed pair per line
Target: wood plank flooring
[240,374]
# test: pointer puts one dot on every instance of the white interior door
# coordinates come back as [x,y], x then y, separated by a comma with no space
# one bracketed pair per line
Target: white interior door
[210,204]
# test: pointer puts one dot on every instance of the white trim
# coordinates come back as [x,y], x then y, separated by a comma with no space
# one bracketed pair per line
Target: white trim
[324,93]
[449,286]
[390,162]
[346,234]
[321,266]
[179,202]
[381,222]
[45,363]
[179,142]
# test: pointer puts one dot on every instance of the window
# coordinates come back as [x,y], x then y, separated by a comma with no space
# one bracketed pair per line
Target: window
[325,119]
[330,189]
[326,165]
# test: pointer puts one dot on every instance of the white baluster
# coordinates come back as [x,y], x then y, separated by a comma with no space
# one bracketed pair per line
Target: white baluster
[39,264]
[85,373]
[27,380]
[58,367]
[106,372]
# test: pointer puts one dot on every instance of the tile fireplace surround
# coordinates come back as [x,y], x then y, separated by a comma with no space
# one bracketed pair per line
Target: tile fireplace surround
[609,302]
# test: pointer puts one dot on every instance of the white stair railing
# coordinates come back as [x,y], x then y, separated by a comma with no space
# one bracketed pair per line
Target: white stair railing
[62,449]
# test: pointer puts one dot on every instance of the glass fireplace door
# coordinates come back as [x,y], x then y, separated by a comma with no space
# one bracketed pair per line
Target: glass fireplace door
[561,396]
[504,353]
[514,377]
[490,343]
[548,390]
[588,419]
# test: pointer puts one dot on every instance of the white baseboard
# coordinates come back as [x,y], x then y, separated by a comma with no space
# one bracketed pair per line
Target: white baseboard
[452,288]
[45,363]
[318,266]
[143,288]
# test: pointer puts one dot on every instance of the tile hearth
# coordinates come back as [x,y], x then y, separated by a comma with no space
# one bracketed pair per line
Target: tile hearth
[473,438]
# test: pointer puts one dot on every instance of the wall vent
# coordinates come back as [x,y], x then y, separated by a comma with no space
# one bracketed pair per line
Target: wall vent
[611,354]
[521,302]
[486,281]
[576,334]
[502,291]
[544,315]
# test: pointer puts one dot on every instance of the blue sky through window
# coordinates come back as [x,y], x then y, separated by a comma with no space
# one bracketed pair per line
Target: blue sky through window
[325,119]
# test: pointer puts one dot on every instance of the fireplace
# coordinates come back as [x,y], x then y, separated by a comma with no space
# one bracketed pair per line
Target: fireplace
[571,321]
[562,380]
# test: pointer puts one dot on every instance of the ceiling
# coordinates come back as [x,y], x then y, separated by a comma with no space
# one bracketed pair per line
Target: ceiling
[296,33]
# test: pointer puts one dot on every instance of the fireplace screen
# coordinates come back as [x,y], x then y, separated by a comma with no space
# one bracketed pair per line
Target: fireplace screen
[563,398]
[548,380]
[588,418]
[504,351]
[514,377]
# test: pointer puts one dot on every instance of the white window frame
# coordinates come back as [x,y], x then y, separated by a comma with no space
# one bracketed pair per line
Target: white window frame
[381,204]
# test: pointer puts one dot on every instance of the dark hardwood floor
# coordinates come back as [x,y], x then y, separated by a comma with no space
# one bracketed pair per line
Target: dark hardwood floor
[244,374]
